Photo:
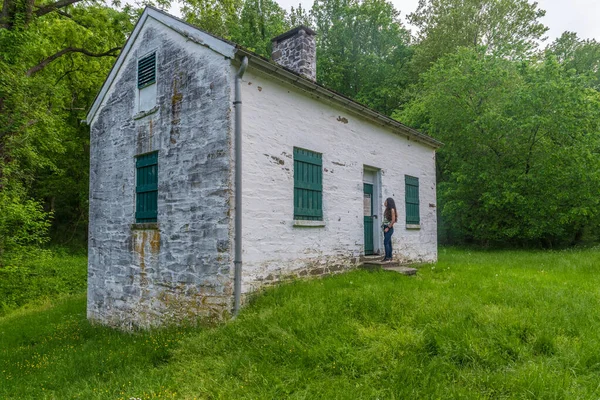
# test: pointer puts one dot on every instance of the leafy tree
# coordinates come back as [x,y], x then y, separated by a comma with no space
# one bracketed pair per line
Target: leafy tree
[362,51]
[23,222]
[299,16]
[520,162]
[219,17]
[53,58]
[362,48]
[508,28]
[260,21]
[250,23]
[583,56]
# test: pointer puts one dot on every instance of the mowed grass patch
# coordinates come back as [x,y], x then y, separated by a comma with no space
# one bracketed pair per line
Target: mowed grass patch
[506,324]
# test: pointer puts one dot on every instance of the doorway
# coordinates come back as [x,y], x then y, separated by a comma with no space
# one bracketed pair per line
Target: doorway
[371,201]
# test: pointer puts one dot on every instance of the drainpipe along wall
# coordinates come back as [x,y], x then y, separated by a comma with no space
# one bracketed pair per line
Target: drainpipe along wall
[237,103]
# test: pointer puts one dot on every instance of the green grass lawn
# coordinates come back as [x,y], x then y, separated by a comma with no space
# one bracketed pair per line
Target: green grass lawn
[506,324]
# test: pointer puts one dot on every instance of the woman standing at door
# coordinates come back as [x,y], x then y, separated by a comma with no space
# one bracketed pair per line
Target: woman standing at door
[390,216]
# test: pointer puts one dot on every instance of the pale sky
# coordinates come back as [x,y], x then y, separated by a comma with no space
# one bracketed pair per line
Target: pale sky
[581,16]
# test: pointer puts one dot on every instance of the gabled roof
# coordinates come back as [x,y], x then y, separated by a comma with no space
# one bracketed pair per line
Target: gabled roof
[231,50]
[220,45]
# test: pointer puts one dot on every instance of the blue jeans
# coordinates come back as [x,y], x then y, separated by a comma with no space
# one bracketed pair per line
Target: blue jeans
[387,242]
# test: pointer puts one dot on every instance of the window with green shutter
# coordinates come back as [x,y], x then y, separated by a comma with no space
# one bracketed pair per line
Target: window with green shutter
[146,188]
[308,185]
[147,71]
[412,200]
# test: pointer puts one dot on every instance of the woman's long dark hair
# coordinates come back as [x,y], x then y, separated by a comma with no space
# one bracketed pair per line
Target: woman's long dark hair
[391,204]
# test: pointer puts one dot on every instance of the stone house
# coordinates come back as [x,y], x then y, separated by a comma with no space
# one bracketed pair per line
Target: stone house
[166,240]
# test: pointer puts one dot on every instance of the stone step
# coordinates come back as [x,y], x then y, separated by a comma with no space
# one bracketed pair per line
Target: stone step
[381,263]
[402,270]
[394,266]
[371,258]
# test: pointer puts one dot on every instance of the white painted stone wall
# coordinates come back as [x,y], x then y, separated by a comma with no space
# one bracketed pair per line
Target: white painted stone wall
[278,117]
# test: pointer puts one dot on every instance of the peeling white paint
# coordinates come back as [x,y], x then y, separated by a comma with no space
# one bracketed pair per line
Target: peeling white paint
[279,117]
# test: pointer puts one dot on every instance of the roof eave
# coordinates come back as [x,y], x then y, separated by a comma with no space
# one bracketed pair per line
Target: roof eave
[311,86]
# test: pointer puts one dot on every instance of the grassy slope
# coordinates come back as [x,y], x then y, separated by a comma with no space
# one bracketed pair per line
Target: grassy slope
[476,325]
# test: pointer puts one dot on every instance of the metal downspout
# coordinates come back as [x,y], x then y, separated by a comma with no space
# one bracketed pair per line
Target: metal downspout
[237,103]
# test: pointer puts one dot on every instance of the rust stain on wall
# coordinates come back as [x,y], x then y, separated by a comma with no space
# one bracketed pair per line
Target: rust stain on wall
[146,247]
[176,100]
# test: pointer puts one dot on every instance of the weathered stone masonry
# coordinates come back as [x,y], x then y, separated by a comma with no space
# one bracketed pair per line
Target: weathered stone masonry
[178,268]
[296,50]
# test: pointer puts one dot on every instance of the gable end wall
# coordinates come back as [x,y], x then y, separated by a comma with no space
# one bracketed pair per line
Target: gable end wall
[183,269]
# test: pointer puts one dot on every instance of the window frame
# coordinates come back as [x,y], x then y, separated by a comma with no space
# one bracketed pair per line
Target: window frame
[146,193]
[412,201]
[308,187]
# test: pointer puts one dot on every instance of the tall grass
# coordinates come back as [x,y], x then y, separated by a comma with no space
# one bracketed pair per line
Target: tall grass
[39,275]
[511,324]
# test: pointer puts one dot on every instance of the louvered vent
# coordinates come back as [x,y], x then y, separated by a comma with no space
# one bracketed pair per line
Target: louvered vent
[147,71]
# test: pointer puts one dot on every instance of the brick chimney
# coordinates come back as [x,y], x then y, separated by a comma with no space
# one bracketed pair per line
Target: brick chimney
[297,50]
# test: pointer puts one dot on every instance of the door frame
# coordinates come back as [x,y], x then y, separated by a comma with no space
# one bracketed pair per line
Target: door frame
[372,175]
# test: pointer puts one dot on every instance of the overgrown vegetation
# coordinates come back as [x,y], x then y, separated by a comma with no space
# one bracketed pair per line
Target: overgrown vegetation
[520,164]
[40,275]
[478,324]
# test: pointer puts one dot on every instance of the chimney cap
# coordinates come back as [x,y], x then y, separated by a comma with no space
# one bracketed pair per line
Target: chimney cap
[292,32]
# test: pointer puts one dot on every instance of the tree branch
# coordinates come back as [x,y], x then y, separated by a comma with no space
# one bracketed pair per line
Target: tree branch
[54,6]
[61,53]
[8,10]
[64,14]
[67,15]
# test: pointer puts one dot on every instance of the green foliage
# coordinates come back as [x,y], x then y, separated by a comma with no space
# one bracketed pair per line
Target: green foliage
[250,23]
[50,71]
[506,28]
[520,162]
[260,21]
[362,48]
[362,51]
[218,17]
[475,325]
[583,56]
[23,223]
[39,275]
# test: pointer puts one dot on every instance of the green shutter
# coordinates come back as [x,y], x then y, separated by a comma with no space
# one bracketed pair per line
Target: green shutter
[146,188]
[308,185]
[412,200]
[147,71]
